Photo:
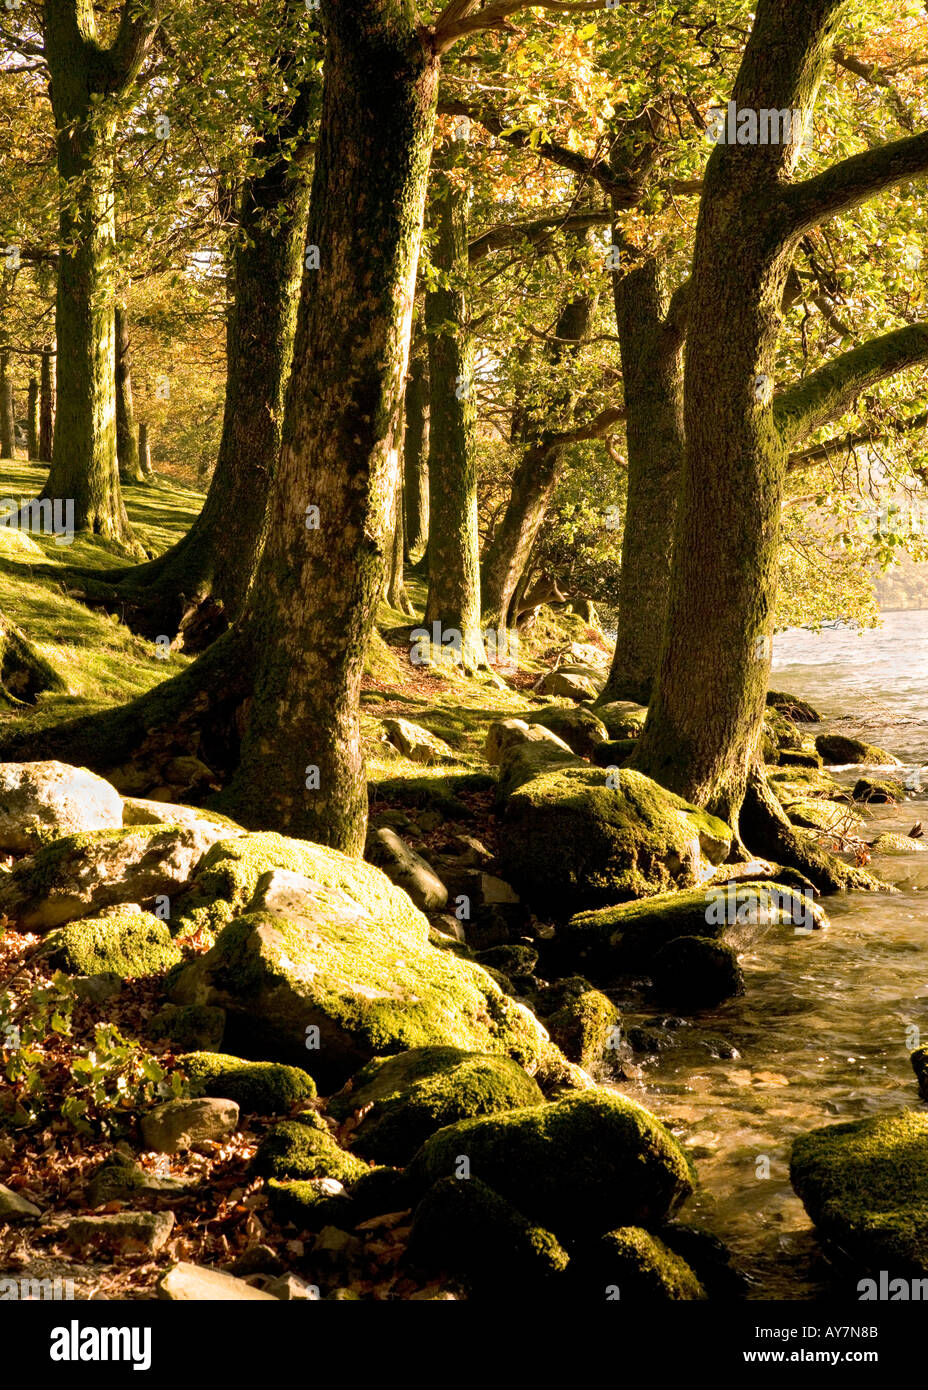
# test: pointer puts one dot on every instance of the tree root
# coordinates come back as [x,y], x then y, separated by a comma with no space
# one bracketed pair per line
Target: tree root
[24,674]
[766,830]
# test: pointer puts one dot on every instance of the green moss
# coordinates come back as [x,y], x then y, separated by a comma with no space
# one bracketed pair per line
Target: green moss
[580,1020]
[581,1165]
[259,1088]
[307,1205]
[865,1185]
[801,759]
[571,841]
[579,727]
[228,876]
[888,843]
[872,789]
[467,1229]
[56,864]
[410,1096]
[631,1265]
[304,1148]
[839,749]
[188,1026]
[623,718]
[128,944]
[815,814]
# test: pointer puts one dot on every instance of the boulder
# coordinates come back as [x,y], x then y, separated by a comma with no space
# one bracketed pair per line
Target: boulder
[126,1232]
[889,843]
[405,1099]
[186,1282]
[80,874]
[792,707]
[258,1088]
[137,811]
[504,734]
[180,1124]
[417,743]
[816,814]
[304,1148]
[622,718]
[13,1207]
[570,685]
[406,869]
[879,792]
[626,939]
[328,976]
[635,1267]
[865,1185]
[468,1230]
[578,1166]
[120,1179]
[124,941]
[577,726]
[290,1288]
[190,1027]
[574,837]
[312,1203]
[581,1021]
[43,801]
[838,749]
[790,757]
[919,1060]
[695,972]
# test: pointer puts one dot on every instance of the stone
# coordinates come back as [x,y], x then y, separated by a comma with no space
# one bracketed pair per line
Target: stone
[328,971]
[137,811]
[696,972]
[47,800]
[578,1166]
[568,685]
[878,792]
[574,837]
[78,875]
[406,869]
[304,1148]
[404,1099]
[636,1267]
[120,1178]
[125,1231]
[258,1088]
[290,1288]
[97,989]
[13,1207]
[126,944]
[417,743]
[792,707]
[581,1021]
[186,1282]
[839,750]
[576,725]
[919,1060]
[180,1124]
[865,1186]
[622,719]
[504,734]
[889,843]
[190,1027]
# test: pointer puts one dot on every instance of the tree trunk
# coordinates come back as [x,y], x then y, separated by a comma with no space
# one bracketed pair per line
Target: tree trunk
[395,591]
[86,83]
[708,703]
[47,406]
[127,449]
[24,673]
[144,450]
[652,375]
[416,457]
[32,420]
[454,545]
[7,413]
[311,609]
[534,480]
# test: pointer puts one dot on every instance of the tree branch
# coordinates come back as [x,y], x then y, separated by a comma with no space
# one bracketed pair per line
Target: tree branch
[512,233]
[851,182]
[458,18]
[138,25]
[818,453]
[829,392]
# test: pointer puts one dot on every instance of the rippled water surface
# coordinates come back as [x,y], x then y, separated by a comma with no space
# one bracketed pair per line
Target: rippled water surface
[821,1034]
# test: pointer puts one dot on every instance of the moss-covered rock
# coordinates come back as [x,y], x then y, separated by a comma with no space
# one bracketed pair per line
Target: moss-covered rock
[46,800]
[839,749]
[633,1266]
[304,1148]
[259,1088]
[124,943]
[516,961]
[919,1060]
[888,843]
[623,718]
[309,1203]
[582,1165]
[328,974]
[865,1185]
[625,939]
[576,837]
[466,1229]
[792,707]
[580,1019]
[695,972]
[878,791]
[614,753]
[408,1097]
[815,814]
[781,731]
[579,727]
[190,1027]
[80,874]
[801,758]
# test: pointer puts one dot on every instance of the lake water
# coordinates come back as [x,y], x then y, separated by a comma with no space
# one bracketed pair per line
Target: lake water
[821,1034]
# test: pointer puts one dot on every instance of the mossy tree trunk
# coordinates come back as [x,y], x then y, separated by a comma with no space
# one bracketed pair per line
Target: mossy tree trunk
[144,450]
[32,420]
[536,474]
[7,412]
[127,448]
[416,455]
[311,609]
[454,546]
[24,672]
[87,80]
[651,345]
[47,406]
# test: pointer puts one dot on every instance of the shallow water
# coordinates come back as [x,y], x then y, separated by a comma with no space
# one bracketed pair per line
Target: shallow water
[822,1030]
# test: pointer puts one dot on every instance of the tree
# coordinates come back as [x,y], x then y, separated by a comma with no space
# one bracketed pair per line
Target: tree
[47,405]
[416,454]
[704,717]
[88,82]
[32,420]
[127,449]
[7,418]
